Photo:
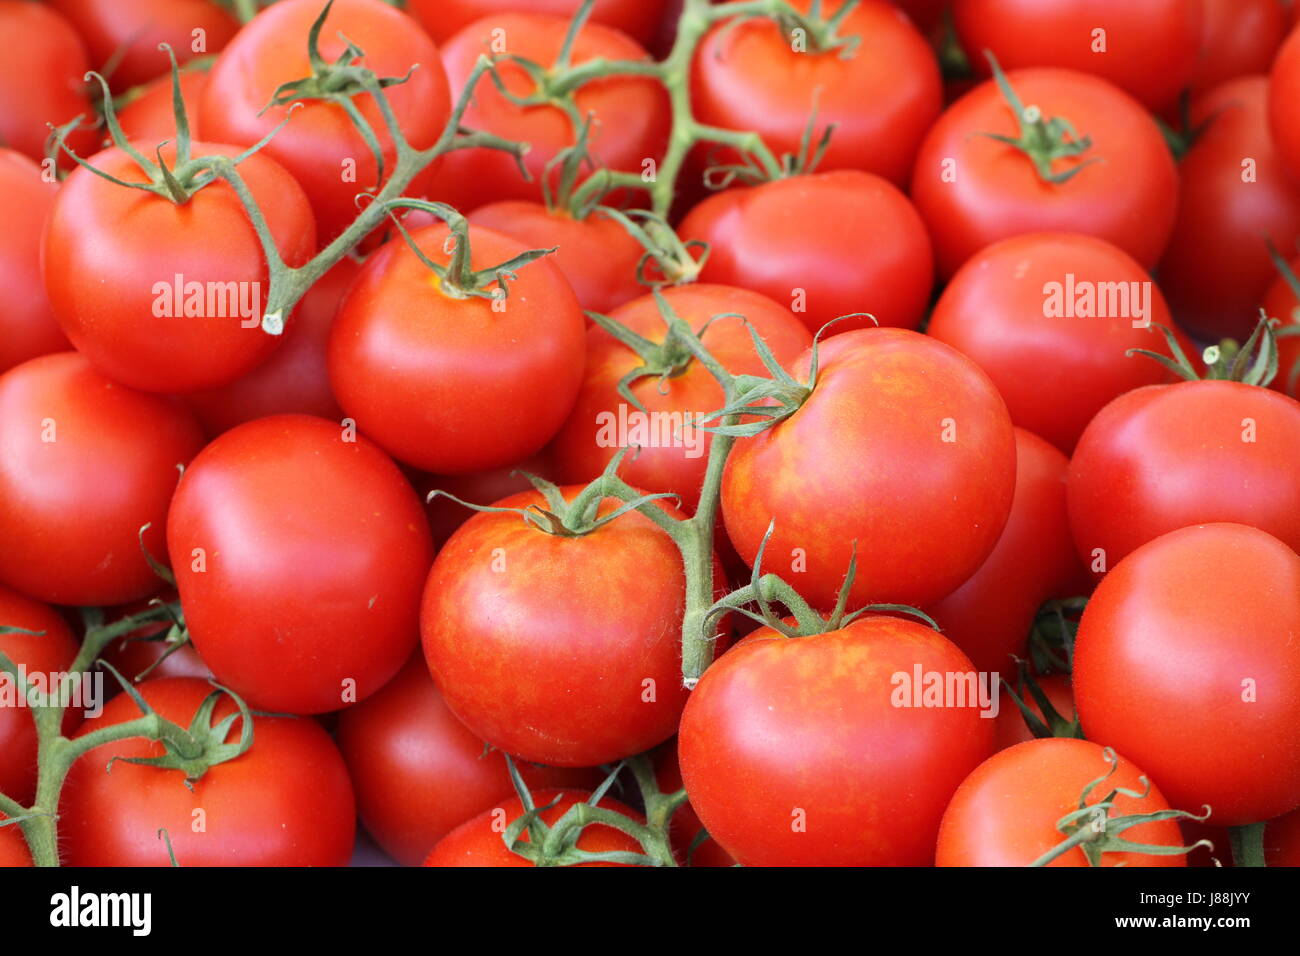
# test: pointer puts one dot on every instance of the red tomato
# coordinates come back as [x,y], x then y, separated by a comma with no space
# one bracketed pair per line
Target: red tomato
[177,306]
[479,842]
[881,96]
[286,802]
[1169,456]
[1050,317]
[686,824]
[1005,813]
[973,190]
[990,616]
[1011,728]
[597,255]
[631,114]
[1280,303]
[1283,94]
[300,552]
[1204,621]
[1235,196]
[1282,840]
[455,384]
[668,459]
[27,324]
[639,19]
[86,464]
[904,446]
[419,773]
[295,378]
[795,753]
[1148,49]
[123,36]
[13,848]
[41,76]
[603,677]
[825,264]
[1238,38]
[150,118]
[320,145]
[41,657]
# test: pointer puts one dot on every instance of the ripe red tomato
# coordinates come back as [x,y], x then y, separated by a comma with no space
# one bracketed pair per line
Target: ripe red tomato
[479,842]
[1283,94]
[597,255]
[668,460]
[27,324]
[990,616]
[41,77]
[86,464]
[295,378]
[630,113]
[1011,728]
[286,802]
[455,384]
[45,655]
[973,190]
[904,446]
[748,74]
[1203,620]
[13,848]
[300,551]
[1050,317]
[123,36]
[178,304]
[1169,456]
[1148,49]
[825,265]
[1235,196]
[419,773]
[603,676]
[1005,813]
[795,753]
[150,119]
[1238,38]
[639,19]
[320,145]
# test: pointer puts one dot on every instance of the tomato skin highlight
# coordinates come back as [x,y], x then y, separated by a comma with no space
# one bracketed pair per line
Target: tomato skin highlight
[778,725]
[287,801]
[1005,812]
[419,773]
[27,324]
[71,508]
[1204,620]
[925,510]
[313,549]
[1129,198]
[763,239]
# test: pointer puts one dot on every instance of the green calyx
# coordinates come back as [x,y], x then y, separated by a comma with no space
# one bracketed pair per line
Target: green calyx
[815,33]
[1254,363]
[749,171]
[1042,139]
[1052,723]
[1093,830]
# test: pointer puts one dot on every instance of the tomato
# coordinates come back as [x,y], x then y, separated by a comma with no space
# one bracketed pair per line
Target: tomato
[1148,49]
[1282,840]
[123,36]
[795,754]
[419,773]
[1280,303]
[150,117]
[1050,317]
[603,676]
[1235,196]
[1168,456]
[27,324]
[1011,728]
[300,552]
[41,76]
[86,464]
[1238,38]
[1005,813]
[668,459]
[165,297]
[767,239]
[640,19]
[320,145]
[479,842]
[686,824]
[747,74]
[455,384]
[13,848]
[597,255]
[1203,620]
[990,616]
[42,656]
[1283,94]
[295,378]
[630,113]
[285,802]
[478,488]
[973,190]
[904,447]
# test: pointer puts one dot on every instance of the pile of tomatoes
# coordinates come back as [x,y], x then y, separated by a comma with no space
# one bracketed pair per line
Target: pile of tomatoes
[650,432]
